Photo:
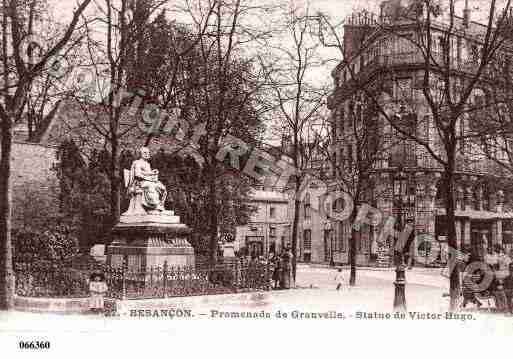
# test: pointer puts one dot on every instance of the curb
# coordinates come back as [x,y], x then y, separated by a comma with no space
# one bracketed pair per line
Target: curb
[52,305]
[380,269]
[117,307]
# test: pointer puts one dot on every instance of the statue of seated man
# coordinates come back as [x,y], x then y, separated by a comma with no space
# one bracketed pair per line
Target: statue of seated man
[144,187]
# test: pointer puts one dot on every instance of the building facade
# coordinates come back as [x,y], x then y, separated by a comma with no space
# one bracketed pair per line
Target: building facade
[267,230]
[406,180]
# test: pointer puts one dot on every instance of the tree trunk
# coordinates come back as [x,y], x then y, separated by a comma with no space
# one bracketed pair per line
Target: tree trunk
[295,222]
[115,188]
[212,206]
[355,235]
[452,241]
[6,261]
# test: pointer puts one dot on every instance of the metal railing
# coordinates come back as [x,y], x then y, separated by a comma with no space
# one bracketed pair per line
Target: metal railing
[239,275]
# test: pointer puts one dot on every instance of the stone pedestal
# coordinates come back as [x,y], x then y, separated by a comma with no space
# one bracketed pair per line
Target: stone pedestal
[150,241]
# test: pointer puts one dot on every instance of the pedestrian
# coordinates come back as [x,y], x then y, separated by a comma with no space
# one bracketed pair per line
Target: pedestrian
[276,272]
[470,288]
[339,279]
[508,288]
[97,288]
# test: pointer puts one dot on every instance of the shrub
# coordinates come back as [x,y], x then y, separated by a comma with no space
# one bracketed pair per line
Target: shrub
[222,276]
[44,280]
[54,245]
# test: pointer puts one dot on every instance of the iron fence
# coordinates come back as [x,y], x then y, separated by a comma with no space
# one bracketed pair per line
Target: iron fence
[151,282]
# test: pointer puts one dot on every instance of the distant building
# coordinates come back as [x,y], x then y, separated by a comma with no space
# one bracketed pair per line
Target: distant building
[265,232]
[316,242]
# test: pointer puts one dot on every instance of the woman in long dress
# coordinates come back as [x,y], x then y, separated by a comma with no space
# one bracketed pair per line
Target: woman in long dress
[97,288]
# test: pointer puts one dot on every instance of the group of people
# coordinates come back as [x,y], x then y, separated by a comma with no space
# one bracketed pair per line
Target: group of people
[497,265]
[282,269]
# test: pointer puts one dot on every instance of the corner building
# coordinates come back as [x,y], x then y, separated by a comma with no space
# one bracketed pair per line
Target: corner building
[407,180]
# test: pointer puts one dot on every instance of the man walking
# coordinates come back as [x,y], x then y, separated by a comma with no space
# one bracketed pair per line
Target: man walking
[339,279]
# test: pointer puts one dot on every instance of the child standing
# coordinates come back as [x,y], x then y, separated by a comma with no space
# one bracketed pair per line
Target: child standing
[97,288]
[339,279]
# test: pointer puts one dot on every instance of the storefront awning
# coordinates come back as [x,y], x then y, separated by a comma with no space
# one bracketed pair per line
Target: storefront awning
[473,214]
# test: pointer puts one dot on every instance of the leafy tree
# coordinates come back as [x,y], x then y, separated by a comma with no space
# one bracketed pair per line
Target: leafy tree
[185,180]
[54,245]
[84,197]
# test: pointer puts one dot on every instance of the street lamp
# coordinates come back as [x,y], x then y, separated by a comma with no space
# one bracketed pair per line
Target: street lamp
[400,267]
[329,232]
[402,201]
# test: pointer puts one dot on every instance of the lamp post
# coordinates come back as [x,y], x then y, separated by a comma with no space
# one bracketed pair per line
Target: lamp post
[400,267]
[329,233]
[402,201]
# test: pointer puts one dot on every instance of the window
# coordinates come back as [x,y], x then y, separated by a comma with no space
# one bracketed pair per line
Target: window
[307,205]
[359,111]
[442,43]
[307,240]
[350,156]
[459,46]
[427,125]
[340,158]
[346,236]
[327,244]
[272,231]
[272,246]
[403,89]
[272,212]
[342,234]
[404,43]
[284,243]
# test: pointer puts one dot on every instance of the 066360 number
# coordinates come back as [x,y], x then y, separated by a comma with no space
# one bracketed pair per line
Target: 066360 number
[35,344]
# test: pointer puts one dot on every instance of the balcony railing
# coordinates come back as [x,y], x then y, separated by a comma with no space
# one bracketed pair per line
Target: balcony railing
[414,58]
[426,161]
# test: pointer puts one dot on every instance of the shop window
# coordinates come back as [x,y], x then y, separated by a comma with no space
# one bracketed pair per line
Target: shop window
[307,240]
[272,245]
[345,232]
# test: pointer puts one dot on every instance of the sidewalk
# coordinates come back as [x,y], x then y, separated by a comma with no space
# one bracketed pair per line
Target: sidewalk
[369,268]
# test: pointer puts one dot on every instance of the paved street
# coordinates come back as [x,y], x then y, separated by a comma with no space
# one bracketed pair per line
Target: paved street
[374,290]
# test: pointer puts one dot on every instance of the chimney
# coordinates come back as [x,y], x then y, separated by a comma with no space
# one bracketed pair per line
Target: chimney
[466,15]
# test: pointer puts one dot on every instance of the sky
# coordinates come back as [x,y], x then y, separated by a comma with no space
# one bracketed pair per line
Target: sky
[337,10]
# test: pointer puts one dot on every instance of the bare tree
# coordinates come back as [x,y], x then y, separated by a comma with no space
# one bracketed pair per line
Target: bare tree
[452,57]
[108,105]
[298,99]
[224,97]
[356,151]
[493,111]
[18,73]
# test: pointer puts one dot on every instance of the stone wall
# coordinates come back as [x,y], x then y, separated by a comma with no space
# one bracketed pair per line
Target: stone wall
[35,184]
[33,163]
